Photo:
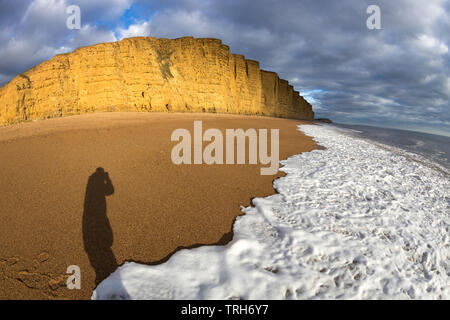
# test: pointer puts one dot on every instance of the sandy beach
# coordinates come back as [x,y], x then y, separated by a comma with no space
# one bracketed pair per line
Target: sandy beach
[48,189]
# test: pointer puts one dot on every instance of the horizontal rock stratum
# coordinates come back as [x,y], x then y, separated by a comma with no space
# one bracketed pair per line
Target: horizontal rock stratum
[148,74]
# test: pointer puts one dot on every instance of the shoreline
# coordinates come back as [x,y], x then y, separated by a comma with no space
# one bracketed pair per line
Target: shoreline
[153,212]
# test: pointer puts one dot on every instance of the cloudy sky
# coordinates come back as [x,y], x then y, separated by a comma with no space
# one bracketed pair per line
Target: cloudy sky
[398,76]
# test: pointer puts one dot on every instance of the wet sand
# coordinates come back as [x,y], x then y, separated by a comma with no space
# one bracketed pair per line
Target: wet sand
[57,209]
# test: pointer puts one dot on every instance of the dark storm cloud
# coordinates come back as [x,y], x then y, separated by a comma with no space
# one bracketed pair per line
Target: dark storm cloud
[399,74]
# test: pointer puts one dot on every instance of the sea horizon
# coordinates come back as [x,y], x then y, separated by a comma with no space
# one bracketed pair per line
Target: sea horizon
[434,133]
[433,147]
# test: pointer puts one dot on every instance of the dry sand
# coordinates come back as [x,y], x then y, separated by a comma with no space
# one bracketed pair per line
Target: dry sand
[156,206]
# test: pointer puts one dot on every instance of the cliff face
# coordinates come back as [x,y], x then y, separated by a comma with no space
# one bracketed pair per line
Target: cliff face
[149,74]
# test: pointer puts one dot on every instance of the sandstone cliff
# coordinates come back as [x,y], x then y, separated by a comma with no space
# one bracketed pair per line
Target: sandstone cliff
[149,74]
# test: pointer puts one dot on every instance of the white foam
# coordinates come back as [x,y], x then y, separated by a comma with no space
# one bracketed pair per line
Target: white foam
[354,221]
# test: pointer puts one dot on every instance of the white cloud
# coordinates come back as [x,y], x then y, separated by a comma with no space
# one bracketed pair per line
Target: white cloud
[44,18]
[432,44]
[135,30]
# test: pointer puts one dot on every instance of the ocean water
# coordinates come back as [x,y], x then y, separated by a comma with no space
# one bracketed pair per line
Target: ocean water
[355,220]
[435,148]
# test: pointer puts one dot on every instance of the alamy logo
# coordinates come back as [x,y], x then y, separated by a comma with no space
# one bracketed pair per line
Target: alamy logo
[74,19]
[74,280]
[374,20]
[213,153]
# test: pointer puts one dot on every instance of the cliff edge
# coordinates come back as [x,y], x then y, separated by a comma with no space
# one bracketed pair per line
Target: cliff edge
[148,74]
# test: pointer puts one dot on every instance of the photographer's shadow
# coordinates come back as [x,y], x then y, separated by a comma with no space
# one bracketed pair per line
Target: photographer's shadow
[97,231]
